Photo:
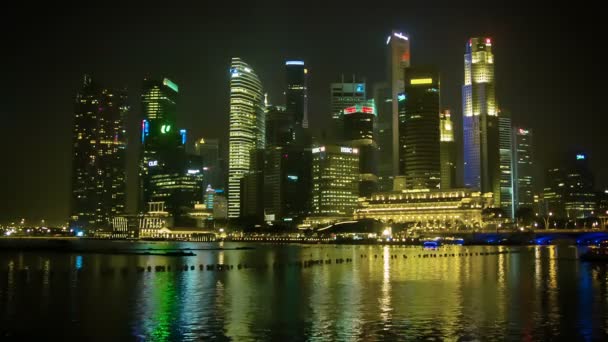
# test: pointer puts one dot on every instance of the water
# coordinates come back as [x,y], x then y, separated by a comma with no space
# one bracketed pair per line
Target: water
[531,293]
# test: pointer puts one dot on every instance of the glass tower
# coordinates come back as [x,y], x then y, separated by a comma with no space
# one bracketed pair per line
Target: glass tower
[98,161]
[247,127]
[506,163]
[480,119]
[419,138]
[447,150]
[296,95]
[523,167]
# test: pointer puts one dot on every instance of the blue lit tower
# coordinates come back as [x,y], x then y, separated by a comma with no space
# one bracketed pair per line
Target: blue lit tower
[296,94]
[480,119]
[247,127]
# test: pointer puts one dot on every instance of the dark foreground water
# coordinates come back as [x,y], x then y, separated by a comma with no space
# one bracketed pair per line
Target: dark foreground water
[531,293]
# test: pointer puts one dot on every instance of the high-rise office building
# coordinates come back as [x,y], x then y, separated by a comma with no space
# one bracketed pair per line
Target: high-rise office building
[505,137]
[208,150]
[419,138]
[359,132]
[296,94]
[480,119]
[98,159]
[247,127]
[343,95]
[398,60]
[447,150]
[280,127]
[335,176]
[384,133]
[523,168]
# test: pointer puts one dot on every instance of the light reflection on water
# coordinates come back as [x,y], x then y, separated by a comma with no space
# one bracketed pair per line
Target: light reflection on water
[532,293]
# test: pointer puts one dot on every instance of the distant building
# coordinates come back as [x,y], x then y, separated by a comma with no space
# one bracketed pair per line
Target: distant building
[569,193]
[335,175]
[398,57]
[98,156]
[480,119]
[247,127]
[523,168]
[359,122]
[208,150]
[343,95]
[296,94]
[447,150]
[505,137]
[449,209]
[419,138]
[384,132]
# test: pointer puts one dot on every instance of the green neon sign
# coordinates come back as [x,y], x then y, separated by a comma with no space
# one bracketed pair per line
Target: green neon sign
[165,129]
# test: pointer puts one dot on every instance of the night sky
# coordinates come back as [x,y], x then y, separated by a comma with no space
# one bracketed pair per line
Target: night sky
[548,73]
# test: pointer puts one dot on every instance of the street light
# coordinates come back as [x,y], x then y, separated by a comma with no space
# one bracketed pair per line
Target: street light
[547,220]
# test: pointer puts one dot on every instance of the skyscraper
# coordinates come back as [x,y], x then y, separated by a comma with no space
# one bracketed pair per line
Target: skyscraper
[384,132]
[480,119]
[247,127]
[359,132]
[447,150]
[335,175]
[398,61]
[522,168]
[343,95]
[98,161]
[505,137]
[208,150]
[419,138]
[296,94]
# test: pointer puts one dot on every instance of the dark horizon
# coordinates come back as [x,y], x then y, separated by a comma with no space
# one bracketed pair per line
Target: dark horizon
[544,75]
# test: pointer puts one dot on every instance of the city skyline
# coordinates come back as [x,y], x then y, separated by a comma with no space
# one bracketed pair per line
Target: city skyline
[200,127]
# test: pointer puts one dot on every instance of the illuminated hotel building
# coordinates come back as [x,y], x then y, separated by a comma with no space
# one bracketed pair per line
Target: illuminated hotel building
[419,138]
[447,150]
[335,176]
[398,60]
[247,127]
[480,119]
[98,159]
[522,168]
[359,132]
[296,95]
[457,208]
[505,137]
[343,95]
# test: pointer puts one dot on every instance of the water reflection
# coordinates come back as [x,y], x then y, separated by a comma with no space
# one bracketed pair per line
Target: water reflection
[530,293]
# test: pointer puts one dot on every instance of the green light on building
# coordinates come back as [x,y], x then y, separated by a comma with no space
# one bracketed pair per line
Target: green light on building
[171,85]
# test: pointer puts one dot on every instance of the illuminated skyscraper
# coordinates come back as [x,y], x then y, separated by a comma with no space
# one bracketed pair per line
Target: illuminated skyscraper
[296,95]
[419,138]
[208,150]
[398,61]
[505,137]
[480,119]
[447,151]
[522,167]
[343,95]
[247,127]
[335,176]
[98,162]
[360,133]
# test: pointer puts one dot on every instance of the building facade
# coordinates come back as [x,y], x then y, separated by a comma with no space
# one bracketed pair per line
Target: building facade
[98,156]
[505,136]
[342,95]
[335,177]
[447,150]
[398,60]
[247,127]
[296,94]
[480,119]
[445,209]
[359,132]
[523,168]
[419,138]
